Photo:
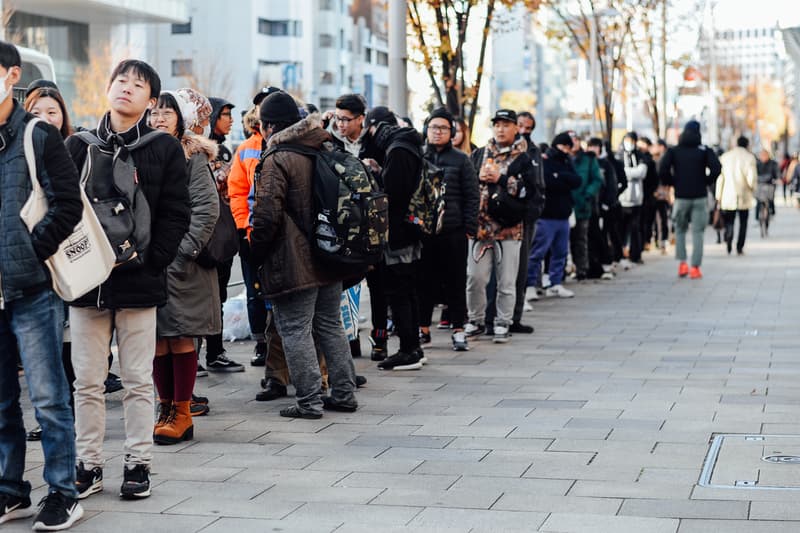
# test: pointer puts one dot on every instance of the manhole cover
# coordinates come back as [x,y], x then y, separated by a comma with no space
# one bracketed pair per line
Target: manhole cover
[753,462]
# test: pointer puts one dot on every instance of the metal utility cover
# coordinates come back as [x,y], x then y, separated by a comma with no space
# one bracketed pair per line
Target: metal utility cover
[752,462]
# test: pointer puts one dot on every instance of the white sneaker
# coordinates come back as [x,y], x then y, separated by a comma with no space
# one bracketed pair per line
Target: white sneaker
[626,264]
[460,341]
[545,280]
[531,294]
[500,334]
[607,275]
[559,291]
[527,307]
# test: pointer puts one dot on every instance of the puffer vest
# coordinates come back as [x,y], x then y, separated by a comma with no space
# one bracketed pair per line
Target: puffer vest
[21,271]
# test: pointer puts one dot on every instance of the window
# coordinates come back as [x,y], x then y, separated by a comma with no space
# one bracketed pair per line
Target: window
[326,78]
[327,103]
[341,40]
[178,29]
[382,58]
[326,5]
[326,40]
[368,55]
[181,67]
[280,28]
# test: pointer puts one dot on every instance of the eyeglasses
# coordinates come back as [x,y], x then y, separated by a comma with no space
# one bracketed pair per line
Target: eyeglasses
[157,114]
[439,129]
[345,120]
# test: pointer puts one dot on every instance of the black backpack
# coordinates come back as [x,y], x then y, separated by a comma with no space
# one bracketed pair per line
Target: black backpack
[223,245]
[505,209]
[350,223]
[118,202]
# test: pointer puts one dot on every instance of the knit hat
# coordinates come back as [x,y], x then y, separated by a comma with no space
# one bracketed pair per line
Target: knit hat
[198,108]
[565,138]
[692,125]
[442,112]
[279,107]
[380,114]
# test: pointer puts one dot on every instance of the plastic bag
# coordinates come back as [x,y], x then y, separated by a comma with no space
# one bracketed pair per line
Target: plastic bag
[235,325]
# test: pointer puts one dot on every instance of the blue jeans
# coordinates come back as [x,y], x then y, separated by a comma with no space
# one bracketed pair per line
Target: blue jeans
[36,324]
[553,235]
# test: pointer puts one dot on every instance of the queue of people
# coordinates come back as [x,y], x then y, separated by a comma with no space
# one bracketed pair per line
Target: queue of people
[483,231]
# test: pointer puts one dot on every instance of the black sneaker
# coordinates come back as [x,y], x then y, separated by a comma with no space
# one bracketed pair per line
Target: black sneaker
[518,327]
[221,363]
[260,357]
[88,482]
[295,412]
[401,361]
[424,338]
[136,482]
[57,512]
[201,371]
[360,381]
[35,434]
[329,404]
[378,349]
[14,508]
[113,383]
[474,330]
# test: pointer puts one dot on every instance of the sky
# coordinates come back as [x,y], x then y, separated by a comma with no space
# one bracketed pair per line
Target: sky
[735,14]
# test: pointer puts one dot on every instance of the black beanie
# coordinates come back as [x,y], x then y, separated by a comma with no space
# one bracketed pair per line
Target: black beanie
[442,112]
[279,107]
[564,138]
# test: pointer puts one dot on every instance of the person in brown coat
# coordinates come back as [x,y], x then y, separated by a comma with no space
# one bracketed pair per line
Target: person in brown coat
[304,296]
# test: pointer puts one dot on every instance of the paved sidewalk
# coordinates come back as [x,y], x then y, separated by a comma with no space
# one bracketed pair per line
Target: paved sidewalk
[599,422]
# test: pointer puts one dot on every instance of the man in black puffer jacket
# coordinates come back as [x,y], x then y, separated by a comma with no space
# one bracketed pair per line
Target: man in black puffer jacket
[690,167]
[127,301]
[397,153]
[444,256]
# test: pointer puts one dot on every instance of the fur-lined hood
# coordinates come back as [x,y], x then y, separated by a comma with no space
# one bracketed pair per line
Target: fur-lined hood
[308,132]
[194,144]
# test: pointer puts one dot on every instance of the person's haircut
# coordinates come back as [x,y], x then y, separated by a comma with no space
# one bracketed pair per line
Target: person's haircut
[527,114]
[167,101]
[141,69]
[49,92]
[9,55]
[742,141]
[595,141]
[661,142]
[646,140]
[466,141]
[353,103]
[278,126]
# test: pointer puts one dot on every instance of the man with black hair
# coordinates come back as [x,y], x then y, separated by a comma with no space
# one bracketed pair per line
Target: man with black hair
[346,122]
[395,154]
[127,301]
[221,122]
[305,296]
[632,198]
[444,256]
[32,316]
[735,191]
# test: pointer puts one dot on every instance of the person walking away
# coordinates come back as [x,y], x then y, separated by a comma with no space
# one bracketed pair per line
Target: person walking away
[505,171]
[552,229]
[126,303]
[689,167]
[31,314]
[735,189]
[768,175]
[188,314]
[444,256]
[305,297]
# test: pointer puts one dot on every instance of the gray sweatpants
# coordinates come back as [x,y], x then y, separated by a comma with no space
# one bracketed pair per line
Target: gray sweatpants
[684,212]
[302,317]
[503,257]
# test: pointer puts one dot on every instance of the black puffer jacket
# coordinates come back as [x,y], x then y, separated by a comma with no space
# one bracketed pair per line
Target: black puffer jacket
[161,168]
[609,192]
[560,179]
[537,193]
[461,189]
[684,166]
[399,153]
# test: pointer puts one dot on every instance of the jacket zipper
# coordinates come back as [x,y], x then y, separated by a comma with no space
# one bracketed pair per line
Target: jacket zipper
[2,300]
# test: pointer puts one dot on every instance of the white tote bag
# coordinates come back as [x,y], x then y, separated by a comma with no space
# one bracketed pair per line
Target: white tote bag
[85,259]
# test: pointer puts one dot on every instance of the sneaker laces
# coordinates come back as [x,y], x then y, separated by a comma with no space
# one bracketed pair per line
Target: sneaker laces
[164,410]
[52,503]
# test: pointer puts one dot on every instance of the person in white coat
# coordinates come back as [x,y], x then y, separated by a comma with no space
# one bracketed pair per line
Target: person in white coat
[631,199]
[734,192]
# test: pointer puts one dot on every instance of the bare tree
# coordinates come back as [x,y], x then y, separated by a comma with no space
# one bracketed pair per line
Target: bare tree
[91,82]
[210,76]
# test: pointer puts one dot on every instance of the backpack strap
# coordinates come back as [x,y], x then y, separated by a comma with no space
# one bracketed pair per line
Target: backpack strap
[295,148]
[91,138]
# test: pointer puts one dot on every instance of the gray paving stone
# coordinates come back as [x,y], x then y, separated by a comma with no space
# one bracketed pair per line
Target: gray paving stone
[594,523]
[737,526]
[489,520]
[673,508]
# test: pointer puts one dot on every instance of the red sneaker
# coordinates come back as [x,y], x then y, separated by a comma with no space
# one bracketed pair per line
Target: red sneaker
[683,269]
[694,273]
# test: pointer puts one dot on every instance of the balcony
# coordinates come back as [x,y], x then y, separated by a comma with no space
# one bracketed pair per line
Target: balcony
[111,11]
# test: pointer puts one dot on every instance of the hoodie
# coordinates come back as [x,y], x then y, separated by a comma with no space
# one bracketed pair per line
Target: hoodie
[690,166]
[221,164]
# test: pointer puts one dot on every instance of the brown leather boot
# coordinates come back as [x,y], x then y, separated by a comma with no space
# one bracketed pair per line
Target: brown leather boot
[178,427]
[164,412]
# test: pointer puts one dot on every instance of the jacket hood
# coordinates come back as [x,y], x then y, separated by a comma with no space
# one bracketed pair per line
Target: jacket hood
[556,155]
[217,105]
[690,138]
[307,131]
[388,135]
[195,144]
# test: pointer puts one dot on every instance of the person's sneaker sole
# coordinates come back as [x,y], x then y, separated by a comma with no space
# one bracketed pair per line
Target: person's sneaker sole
[75,515]
[227,369]
[412,366]
[500,340]
[94,488]
[330,405]
[18,514]
[134,495]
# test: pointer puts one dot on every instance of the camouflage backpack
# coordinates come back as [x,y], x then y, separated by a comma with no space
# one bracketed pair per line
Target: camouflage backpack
[350,225]
[426,208]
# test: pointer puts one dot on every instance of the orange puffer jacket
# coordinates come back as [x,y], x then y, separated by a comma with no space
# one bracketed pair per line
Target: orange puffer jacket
[240,180]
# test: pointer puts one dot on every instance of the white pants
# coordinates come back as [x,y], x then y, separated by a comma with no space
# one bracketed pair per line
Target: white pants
[503,257]
[91,338]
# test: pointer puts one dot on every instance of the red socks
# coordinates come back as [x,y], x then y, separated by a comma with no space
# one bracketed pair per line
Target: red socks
[184,368]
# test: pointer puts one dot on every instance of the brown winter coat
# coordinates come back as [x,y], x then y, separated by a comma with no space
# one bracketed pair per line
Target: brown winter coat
[283,212]
[193,306]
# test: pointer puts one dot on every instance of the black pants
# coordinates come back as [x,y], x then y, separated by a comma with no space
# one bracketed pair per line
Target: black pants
[631,232]
[579,246]
[214,342]
[443,277]
[256,308]
[378,302]
[610,229]
[661,226]
[599,249]
[401,290]
[729,217]
[648,219]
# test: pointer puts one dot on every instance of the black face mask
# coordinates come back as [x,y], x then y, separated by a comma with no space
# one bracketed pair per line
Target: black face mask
[527,137]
